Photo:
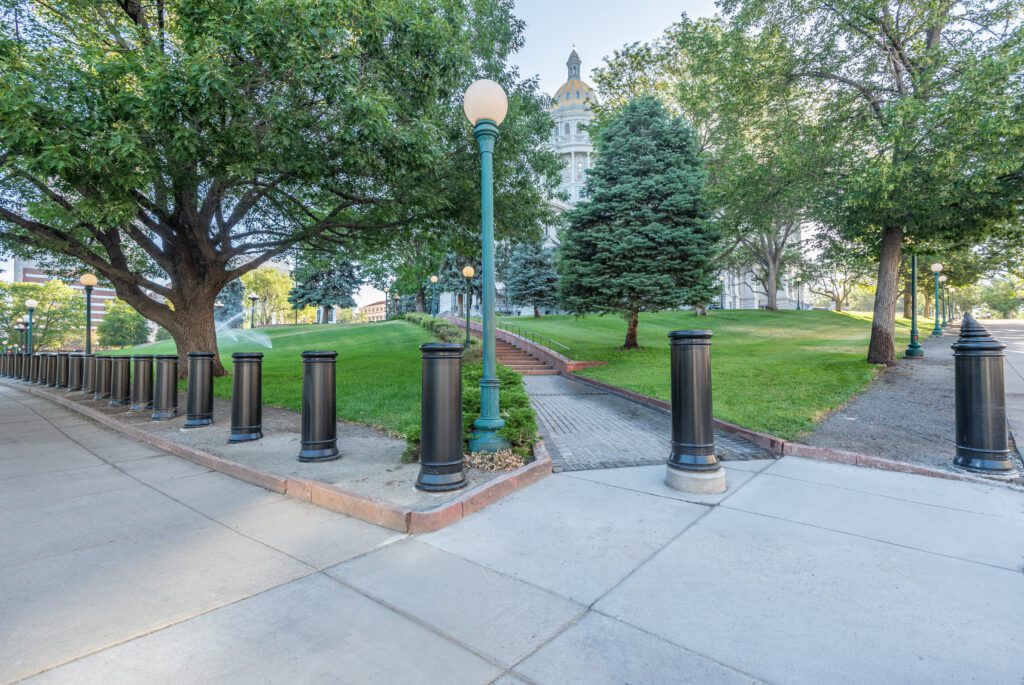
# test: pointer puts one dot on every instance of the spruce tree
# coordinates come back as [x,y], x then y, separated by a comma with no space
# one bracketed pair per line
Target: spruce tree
[531,279]
[324,284]
[640,242]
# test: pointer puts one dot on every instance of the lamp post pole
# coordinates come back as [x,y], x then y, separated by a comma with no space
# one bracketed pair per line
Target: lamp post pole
[914,348]
[721,293]
[936,268]
[485,105]
[30,305]
[434,304]
[88,281]
[252,310]
[468,272]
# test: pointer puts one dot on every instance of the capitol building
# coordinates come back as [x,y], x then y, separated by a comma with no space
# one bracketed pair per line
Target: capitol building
[570,113]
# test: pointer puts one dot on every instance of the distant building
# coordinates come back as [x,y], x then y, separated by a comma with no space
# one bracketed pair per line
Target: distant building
[29,272]
[375,311]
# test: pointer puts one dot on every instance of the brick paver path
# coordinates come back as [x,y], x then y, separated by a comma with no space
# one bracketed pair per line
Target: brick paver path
[587,428]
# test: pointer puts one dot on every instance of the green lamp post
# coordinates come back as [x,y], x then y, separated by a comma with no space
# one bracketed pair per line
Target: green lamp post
[252,310]
[434,304]
[30,306]
[942,291]
[88,281]
[914,349]
[486,105]
[936,268]
[468,272]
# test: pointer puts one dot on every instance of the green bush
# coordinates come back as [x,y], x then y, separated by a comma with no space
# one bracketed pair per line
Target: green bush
[446,331]
[162,334]
[520,421]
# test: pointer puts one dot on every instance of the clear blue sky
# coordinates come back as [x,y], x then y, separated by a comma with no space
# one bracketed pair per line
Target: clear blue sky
[597,28]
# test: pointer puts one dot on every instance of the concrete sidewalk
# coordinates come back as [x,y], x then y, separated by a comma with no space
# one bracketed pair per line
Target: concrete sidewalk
[123,565]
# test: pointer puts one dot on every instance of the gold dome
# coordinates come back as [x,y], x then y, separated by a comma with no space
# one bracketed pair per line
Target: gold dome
[574,93]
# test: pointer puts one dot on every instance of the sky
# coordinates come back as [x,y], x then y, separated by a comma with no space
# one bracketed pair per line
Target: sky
[596,28]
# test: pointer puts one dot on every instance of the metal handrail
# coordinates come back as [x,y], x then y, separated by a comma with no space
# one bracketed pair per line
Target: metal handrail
[531,336]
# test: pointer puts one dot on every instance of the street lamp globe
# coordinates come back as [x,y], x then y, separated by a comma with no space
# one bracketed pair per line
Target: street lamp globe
[936,267]
[485,100]
[31,304]
[433,279]
[254,297]
[943,278]
[88,280]
[468,271]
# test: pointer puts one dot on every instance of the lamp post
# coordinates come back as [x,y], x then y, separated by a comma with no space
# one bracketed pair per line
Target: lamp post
[20,327]
[433,296]
[30,305]
[799,303]
[468,272]
[942,291]
[721,292]
[252,309]
[485,105]
[936,268]
[88,281]
[914,348]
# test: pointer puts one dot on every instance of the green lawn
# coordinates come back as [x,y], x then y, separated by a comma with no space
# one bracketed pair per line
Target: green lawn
[378,368]
[777,372]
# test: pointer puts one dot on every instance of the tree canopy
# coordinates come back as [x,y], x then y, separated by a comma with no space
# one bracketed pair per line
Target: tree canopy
[175,146]
[323,283]
[640,241]
[531,279]
[122,326]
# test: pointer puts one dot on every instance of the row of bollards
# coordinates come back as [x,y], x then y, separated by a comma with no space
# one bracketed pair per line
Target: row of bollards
[982,441]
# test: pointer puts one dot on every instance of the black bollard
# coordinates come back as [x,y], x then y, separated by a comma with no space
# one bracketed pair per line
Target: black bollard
[74,371]
[692,465]
[441,457]
[982,442]
[319,410]
[142,382]
[35,373]
[102,385]
[62,369]
[247,397]
[165,396]
[120,381]
[199,399]
[88,374]
[51,370]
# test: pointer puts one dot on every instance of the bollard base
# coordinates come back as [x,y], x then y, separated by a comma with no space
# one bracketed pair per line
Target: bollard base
[698,482]
[164,415]
[197,422]
[245,437]
[486,439]
[328,454]
[997,469]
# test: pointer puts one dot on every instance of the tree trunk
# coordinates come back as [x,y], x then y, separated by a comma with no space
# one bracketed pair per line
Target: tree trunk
[771,287]
[908,301]
[460,302]
[191,323]
[632,321]
[421,305]
[700,310]
[536,312]
[325,314]
[882,349]
[838,303]
[927,303]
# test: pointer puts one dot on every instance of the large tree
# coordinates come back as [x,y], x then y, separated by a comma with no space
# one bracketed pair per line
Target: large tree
[531,279]
[757,139]
[325,284]
[174,146]
[58,320]
[924,119]
[641,240]
[122,326]
[271,287]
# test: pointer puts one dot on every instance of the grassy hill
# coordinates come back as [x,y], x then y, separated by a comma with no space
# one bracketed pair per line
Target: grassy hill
[777,372]
[378,367]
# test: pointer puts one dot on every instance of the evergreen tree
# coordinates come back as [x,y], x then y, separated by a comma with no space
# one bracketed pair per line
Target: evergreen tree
[641,241]
[229,309]
[531,279]
[324,284]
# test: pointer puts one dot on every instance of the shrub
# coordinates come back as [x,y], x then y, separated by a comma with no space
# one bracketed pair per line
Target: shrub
[520,421]
[446,331]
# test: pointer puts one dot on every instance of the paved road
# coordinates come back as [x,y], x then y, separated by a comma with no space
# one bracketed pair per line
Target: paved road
[1012,333]
[587,428]
[123,565]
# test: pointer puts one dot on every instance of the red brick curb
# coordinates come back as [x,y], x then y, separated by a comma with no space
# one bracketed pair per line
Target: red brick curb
[796,449]
[326,495]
